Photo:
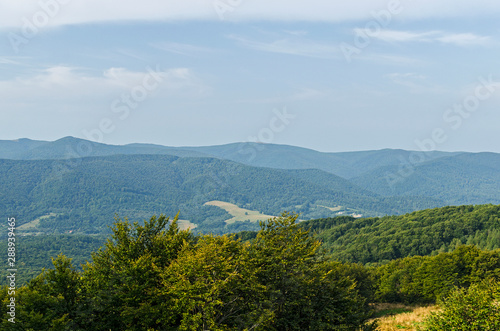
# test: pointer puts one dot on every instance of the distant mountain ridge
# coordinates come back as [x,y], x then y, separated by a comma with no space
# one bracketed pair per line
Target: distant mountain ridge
[146,178]
[344,164]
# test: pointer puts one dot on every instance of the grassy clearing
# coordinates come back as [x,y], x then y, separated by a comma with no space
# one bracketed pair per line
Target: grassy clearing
[338,208]
[392,317]
[185,224]
[33,224]
[239,214]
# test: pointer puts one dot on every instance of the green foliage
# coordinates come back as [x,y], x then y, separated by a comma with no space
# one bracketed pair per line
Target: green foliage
[84,194]
[211,286]
[33,253]
[51,301]
[427,232]
[468,309]
[304,292]
[466,178]
[157,277]
[426,279]
[123,280]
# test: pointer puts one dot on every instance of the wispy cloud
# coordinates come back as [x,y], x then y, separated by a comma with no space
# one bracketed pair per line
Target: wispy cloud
[183,49]
[407,79]
[458,39]
[60,82]
[85,11]
[300,94]
[6,60]
[291,46]
[465,39]
[390,59]
[416,83]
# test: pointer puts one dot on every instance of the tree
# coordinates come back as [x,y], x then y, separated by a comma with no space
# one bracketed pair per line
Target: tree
[468,309]
[50,301]
[124,281]
[304,291]
[213,287]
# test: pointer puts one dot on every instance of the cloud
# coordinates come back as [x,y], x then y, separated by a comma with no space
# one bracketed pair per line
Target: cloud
[406,79]
[182,49]
[458,39]
[291,46]
[398,36]
[392,59]
[64,12]
[464,39]
[300,94]
[416,83]
[8,60]
[69,83]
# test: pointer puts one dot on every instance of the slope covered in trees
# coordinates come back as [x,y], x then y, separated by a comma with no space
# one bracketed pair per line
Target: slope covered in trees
[156,277]
[453,178]
[34,253]
[426,232]
[462,179]
[344,164]
[84,194]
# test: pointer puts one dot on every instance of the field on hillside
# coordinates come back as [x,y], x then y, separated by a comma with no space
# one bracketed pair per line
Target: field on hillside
[239,214]
[185,224]
[395,317]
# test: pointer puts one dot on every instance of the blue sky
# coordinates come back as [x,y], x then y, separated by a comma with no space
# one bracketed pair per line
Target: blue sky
[327,75]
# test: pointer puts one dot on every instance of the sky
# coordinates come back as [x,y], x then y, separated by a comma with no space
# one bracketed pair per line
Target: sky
[322,74]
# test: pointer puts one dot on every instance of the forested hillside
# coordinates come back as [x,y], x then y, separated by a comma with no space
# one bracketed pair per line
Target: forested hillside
[461,179]
[83,195]
[451,178]
[153,276]
[33,253]
[345,164]
[426,232]
[156,277]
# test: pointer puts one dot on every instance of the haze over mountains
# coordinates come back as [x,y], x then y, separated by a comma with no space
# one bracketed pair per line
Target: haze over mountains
[79,185]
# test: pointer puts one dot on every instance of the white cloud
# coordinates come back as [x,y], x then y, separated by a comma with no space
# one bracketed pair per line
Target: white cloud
[416,83]
[68,83]
[300,94]
[392,59]
[182,49]
[88,11]
[291,46]
[458,39]
[464,39]
[399,36]
[407,79]
[6,60]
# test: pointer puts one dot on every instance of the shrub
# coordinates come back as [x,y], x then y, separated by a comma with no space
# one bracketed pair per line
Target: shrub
[468,309]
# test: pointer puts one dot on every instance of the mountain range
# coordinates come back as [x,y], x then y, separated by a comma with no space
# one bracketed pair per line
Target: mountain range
[77,185]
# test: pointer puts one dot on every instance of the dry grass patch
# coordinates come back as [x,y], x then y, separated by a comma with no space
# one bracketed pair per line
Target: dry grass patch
[401,317]
[338,208]
[239,214]
[185,225]
[33,224]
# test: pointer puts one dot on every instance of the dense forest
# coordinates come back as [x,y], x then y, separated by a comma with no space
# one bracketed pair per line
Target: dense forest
[34,253]
[84,196]
[157,277]
[77,186]
[371,241]
[287,276]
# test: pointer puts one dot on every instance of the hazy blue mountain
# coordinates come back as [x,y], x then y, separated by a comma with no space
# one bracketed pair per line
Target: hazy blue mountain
[462,179]
[70,147]
[346,164]
[361,180]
